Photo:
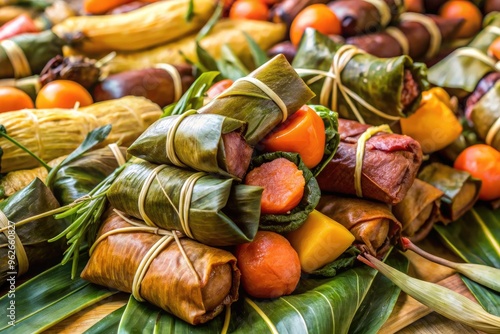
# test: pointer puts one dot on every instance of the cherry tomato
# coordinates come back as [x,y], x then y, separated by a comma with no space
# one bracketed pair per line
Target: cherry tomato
[466,10]
[483,162]
[219,87]
[63,94]
[14,99]
[303,133]
[494,49]
[249,9]
[317,16]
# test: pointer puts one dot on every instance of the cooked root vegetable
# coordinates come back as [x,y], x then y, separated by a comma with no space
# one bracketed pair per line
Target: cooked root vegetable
[303,133]
[145,27]
[283,185]
[320,240]
[269,266]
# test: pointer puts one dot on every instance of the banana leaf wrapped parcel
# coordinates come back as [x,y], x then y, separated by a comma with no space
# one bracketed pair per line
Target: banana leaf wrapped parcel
[186,278]
[30,241]
[419,210]
[206,207]
[203,142]
[372,223]
[383,168]
[485,116]
[356,84]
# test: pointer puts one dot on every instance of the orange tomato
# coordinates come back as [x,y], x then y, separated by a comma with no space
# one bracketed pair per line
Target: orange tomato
[219,87]
[249,9]
[317,16]
[14,99]
[466,10]
[416,6]
[483,162]
[302,133]
[63,94]
[494,49]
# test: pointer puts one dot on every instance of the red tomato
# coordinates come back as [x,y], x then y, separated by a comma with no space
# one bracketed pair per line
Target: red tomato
[483,162]
[219,87]
[494,49]
[466,10]
[63,94]
[249,9]
[14,99]
[317,16]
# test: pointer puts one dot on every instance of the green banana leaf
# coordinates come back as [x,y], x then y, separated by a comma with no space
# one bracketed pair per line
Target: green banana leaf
[215,201]
[282,223]
[49,298]
[485,113]
[332,140]
[476,239]
[467,70]
[378,81]
[108,324]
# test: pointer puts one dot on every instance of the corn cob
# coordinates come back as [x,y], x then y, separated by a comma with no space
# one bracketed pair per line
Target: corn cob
[151,25]
[229,32]
[50,133]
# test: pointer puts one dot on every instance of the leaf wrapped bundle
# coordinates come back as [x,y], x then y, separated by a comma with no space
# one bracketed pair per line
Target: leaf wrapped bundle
[461,190]
[470,64]
[419,210]
[203,142]
[219,212]
[485,116]
[356,84]
[247,102]
[389,165]
[194,287]
[417,35]
[50,133]
[372,223]
[31,51]
[156,84]
[35,199]
[282,223]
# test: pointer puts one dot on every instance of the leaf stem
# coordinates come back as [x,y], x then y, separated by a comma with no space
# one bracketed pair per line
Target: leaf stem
[4,134]
[411,246]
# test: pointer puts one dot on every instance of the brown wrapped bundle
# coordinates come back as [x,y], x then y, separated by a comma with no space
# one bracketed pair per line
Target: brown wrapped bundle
[372,223]
[419,210]
[194,287]
[386,171]
[419,36]
[163,85]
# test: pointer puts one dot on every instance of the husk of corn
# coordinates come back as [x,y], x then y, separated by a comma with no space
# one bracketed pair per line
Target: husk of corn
[444,301]
[229,32]
[151,25]
[50,133]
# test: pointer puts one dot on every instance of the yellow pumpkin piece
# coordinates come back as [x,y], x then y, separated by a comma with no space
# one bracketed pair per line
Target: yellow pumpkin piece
[320,240]
[433,125]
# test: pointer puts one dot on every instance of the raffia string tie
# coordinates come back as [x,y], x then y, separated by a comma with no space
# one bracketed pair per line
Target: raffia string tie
[400,38]
[17,58]
[492,132]
[22,257]
[170,139]
[120,159]
[333,84]
[477,54]
[436,38]
[268,91]
[360,153]
[176,78]
[144,191]
[383,9]
[493,29]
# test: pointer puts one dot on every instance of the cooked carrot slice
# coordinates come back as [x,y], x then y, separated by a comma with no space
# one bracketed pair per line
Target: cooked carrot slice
[283,185]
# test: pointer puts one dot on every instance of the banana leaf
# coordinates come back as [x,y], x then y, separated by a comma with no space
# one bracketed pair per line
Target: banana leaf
[246,102]
[332,140]
[108,324]
[29,85]
[461,190]
[38,48]
[60,297]
[485,113]
[475,238]
[467,69]
[215,201]
[203,142]
[380,82]
[282,223]
[33,200]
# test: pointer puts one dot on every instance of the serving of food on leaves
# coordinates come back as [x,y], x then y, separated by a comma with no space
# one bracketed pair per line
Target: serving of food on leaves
[241,166]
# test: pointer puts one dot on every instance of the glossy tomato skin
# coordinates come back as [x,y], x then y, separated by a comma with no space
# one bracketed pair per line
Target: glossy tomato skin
[303,133]
[12,99]
[249,9]
[63,94]
[219,87]
[483,162]
[317,16]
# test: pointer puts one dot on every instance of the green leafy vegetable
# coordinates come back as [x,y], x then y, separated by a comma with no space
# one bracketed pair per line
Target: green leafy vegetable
[259,56]
[332,140]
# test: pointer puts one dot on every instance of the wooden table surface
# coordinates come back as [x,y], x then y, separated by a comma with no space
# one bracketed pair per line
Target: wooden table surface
[408,317]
